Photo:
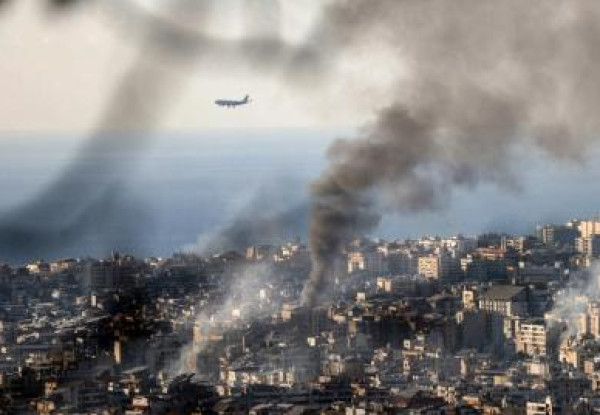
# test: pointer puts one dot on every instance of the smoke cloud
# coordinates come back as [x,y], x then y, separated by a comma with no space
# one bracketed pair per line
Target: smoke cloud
[241,305]
[63,4]
[257,228]
[572,301]
[273,214]
[483,80]
[67,212]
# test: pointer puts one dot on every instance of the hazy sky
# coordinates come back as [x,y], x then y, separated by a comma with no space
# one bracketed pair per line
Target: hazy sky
[189,193]
[58,71]
[61,75]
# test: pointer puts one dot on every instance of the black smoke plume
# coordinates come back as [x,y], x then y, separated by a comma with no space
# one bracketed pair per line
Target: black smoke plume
[484,80]
[256,228]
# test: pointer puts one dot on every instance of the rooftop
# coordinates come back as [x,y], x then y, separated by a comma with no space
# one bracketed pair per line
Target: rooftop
[502,292]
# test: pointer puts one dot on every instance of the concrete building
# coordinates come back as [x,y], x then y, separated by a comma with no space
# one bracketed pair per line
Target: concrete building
[532,338]
[506,300]
[98,274]
[370,261]
[519,244]
[480,269]
[588,246]
[259,252]
[589,321]
[402,262]
[439,267]
[539,407]
[587,228]
[557,235]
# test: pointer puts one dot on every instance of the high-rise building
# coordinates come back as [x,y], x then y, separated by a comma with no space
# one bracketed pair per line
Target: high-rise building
[587,228]
[588,246]
[557,235]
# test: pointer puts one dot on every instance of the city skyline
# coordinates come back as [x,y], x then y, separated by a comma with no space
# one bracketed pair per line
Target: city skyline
[422,325]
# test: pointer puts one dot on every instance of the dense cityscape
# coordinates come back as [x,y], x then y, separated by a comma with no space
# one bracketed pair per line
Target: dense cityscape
[487,324]
[132,128]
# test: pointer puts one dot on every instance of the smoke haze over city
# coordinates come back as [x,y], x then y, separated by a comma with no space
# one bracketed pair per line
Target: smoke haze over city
[299,207]
[229,23]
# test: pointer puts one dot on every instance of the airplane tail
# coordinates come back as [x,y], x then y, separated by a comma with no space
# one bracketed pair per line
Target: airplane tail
[247,98]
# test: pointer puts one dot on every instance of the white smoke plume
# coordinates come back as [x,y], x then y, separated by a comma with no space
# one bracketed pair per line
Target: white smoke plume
[242,305]
[571,302]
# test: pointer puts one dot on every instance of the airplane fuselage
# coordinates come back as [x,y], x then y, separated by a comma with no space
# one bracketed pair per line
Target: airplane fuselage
[232,103]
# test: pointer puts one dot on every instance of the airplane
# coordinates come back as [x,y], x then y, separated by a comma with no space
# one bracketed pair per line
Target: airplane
[232,103]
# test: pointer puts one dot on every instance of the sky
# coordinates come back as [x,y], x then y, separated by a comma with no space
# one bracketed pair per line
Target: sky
[189,194]
[59,70]
[206,168]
